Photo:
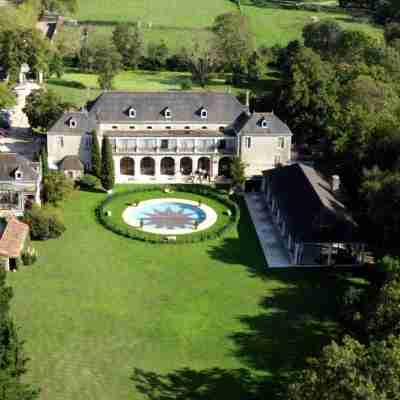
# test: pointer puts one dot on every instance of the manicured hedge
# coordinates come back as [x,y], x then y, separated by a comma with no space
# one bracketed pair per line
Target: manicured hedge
[152,238]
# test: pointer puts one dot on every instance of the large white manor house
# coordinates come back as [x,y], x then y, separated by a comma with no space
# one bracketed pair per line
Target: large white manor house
[170,136]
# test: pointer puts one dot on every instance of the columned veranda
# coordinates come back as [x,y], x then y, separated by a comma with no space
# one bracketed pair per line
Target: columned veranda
[160,168]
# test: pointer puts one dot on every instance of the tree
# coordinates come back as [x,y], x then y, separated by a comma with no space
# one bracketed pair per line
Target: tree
[238,171]
[309,96]
[157,54]
[43,108]
[56,65]
[234,41]
[12,358]
[201,63]
[322,37]
[351,371]
[255,68]
[107,165]
[95,161]
[59,6]
[392,32]
[107,64]
[7,97]
[20,46]
[129,42]
[44,161]
[56,187]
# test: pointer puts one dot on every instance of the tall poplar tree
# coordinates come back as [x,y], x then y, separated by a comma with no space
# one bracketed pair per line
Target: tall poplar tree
[95,156]
[107,165]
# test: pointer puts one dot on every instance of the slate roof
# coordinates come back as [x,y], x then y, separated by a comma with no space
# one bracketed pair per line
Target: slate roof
[71,163]
[253,125]
[84,123]
[311,209]
[10,162]
[184,106]
[13,238]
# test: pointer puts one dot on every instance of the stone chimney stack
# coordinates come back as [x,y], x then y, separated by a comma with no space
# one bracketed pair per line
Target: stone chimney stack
[335,183]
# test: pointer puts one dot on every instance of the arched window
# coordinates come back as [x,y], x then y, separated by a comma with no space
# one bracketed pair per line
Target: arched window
[224,167]
[147,166]
[186,166]
[204,164]
[167,166]
[127,166]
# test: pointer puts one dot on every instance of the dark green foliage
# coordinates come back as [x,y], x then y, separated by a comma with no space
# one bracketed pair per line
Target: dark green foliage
[201,62]
[44,161]
[129,42]
[43,108]
[56,187]
[186,84]
[95,160]
[107,165]
[19,46]
[157,55]
[107,63]
[89,182]
[59,6]
[351,371]
[29,257]
[392,32]
[45,223]
[234,41]
[56,65]
[238,170]
[7,97]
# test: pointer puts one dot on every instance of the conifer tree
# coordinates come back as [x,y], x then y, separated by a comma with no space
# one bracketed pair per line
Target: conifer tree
[44,161]
[95,156]
[107,165]
[12,358]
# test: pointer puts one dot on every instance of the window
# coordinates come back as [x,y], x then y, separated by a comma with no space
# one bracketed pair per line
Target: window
[164,144]
[281,142]
[167,113]
[248,142]
[277,160]
[203,113]
[60,141]
[132,113]
[221,128]
[115,127]
[72,123]
[149,127]
[222,144]
[203,127]
[132,127]
[167,127]
[187,127]
[264,123]
[18,175]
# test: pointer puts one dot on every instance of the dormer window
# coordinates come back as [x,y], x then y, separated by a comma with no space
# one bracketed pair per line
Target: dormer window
[203,127]
[264,123]
[187,127]
[18,174]
[132,113]
[72,123]
[149,127]
[167,113]
[167,127]
[203,113]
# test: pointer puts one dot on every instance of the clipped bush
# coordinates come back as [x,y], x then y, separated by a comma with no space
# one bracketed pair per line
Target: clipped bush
[89,182]
[45,223]
[186,84]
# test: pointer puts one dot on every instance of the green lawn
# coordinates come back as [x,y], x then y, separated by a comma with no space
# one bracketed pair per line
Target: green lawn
[180,22]
[106,317]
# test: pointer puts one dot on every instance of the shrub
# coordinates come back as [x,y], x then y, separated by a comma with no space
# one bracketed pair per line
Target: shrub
[45,223]
[89,182]
[29,256]
[56,187]
[186,84]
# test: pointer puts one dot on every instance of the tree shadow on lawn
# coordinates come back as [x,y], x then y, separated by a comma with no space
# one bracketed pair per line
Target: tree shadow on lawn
[244,249]
[296,321]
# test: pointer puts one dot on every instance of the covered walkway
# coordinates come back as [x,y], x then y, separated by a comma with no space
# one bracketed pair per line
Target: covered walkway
[270,240]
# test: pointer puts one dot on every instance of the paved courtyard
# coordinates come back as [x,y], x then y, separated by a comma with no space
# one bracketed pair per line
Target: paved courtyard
[275,253]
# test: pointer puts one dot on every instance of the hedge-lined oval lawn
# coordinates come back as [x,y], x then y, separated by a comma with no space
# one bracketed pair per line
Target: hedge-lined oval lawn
[226,209]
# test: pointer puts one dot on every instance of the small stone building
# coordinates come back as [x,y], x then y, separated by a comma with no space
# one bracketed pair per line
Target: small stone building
[13,241]
[72,167]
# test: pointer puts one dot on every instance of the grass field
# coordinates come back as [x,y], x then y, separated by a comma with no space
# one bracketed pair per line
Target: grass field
[109,318]
[180,22]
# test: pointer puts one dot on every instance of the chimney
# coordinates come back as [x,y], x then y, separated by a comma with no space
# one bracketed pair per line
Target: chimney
[335,183]
[248,98]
